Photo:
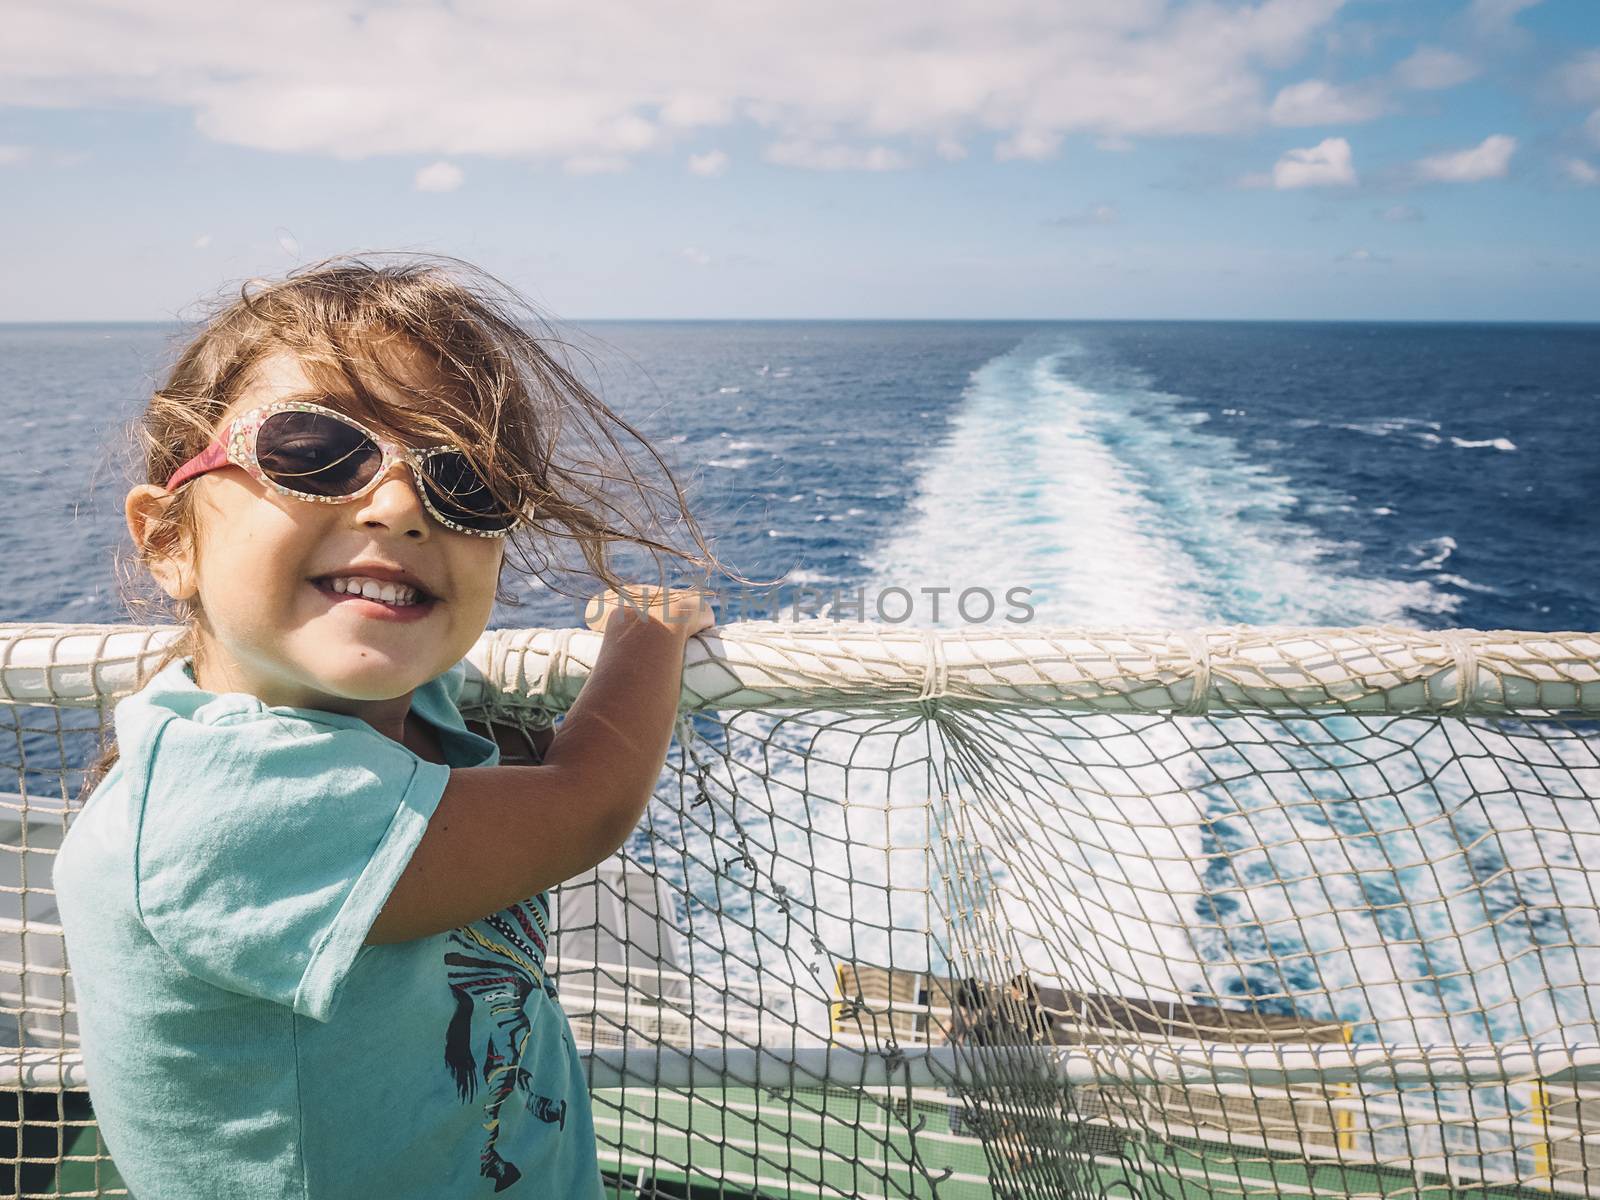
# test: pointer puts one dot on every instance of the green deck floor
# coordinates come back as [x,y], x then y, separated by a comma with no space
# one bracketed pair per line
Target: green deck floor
[774,1147]
[744,1143]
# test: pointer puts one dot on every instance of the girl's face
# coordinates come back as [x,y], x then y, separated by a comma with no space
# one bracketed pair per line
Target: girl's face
[272,623]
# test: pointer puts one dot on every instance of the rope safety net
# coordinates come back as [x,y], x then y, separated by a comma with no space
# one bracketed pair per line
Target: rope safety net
[1019,913]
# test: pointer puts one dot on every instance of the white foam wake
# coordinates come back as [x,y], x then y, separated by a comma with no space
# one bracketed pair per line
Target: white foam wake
[1125,509]
[1120,509]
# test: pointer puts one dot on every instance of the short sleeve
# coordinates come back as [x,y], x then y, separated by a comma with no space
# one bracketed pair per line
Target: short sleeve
[268,844]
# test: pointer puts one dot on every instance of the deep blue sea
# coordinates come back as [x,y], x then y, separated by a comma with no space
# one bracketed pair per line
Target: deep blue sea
[1126,473]
[1139,474]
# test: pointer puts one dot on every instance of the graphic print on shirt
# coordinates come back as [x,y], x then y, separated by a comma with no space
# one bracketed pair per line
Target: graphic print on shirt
[494,966]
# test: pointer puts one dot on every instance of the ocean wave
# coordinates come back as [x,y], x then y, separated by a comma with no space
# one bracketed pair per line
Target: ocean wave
[802,576]
[1434,551]
[1466,585]
[1428,433]
[1499,443]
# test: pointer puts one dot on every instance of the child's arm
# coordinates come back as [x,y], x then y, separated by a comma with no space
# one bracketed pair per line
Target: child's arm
[518,747]
[502,834]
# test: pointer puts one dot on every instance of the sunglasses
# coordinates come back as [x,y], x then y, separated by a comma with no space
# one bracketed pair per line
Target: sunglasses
[314,453]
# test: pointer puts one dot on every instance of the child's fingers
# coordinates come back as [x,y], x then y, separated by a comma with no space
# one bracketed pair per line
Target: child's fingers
[686,609]
[599,609]
[689,610]
[695,611]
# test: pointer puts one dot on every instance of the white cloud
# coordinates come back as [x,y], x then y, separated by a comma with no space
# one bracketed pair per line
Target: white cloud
[568,82]
[438,177]
[1095,214]
[835,156]
[595,164]
[1398,214]
[14,156]
[1430,68]
[1592,127]
[201,241]
[1318,102]
[1489,159]
[1579,80]
[1494,17]
[712,162]
[1031,144]
[1327,164]
[1361,255]
[950,149]
[696,255]
[1580,171]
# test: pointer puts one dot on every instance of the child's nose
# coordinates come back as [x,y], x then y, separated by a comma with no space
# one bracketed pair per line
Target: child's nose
[395,505]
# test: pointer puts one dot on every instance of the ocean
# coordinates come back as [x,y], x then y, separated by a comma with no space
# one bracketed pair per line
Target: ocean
[1133,475]
[1140,473]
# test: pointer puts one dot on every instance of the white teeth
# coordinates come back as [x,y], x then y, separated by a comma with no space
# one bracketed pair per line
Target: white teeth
[373,589]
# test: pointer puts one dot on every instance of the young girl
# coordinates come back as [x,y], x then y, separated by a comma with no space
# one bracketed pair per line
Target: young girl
[306,908]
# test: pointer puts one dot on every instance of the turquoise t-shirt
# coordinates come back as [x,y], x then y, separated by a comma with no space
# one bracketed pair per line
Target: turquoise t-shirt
[240,1039]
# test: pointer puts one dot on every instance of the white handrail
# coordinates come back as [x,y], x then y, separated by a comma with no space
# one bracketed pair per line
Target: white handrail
[1381,1064]
[766,664]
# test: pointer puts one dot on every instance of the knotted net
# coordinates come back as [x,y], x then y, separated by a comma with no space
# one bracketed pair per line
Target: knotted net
[983,913]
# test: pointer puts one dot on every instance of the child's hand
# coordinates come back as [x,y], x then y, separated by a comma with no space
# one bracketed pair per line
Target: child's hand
[686,611]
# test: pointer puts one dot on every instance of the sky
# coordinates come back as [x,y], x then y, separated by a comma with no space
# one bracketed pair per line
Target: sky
[1194,159]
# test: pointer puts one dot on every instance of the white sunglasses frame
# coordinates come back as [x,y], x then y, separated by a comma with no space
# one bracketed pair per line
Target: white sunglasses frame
[236,445]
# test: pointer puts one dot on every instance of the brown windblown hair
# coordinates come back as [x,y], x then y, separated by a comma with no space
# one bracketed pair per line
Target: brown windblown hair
[496,381]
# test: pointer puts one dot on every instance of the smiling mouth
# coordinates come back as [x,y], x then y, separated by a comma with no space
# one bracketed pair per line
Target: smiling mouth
[420,604]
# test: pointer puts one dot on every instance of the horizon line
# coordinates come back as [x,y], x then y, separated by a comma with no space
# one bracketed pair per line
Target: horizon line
[554,320]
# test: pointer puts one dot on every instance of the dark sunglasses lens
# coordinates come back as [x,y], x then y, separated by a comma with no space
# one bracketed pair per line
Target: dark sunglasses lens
[316,454]
[460,494]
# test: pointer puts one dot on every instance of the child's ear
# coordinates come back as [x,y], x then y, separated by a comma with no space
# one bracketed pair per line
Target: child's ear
[173,565]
